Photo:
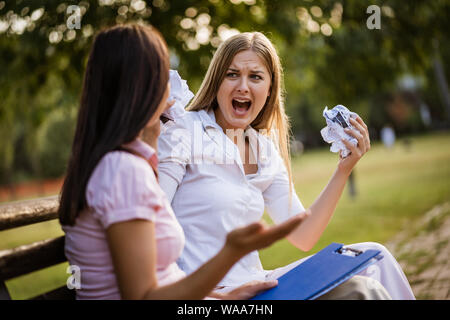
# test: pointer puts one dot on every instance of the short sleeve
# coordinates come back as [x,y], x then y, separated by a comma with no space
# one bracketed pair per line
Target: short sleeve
[174,154]
[123,187]
[279,205]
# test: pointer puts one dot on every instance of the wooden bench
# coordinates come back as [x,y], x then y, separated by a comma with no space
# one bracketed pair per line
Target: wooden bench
[31,257]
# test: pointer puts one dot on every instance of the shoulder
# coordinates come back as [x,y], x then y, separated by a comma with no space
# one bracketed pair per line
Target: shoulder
[186,120]
[118,172]
[120,164]
[182,129]
[123,187]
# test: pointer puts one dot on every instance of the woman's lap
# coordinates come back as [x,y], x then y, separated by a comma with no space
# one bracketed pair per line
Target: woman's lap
[385,273]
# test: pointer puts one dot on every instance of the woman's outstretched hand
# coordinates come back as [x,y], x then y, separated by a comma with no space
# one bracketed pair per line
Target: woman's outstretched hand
[258,235]
[360,133]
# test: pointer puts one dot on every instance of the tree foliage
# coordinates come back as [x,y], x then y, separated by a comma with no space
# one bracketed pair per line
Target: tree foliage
[328,53]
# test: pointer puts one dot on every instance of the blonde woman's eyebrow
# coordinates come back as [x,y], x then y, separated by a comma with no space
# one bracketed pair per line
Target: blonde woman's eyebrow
[252,71]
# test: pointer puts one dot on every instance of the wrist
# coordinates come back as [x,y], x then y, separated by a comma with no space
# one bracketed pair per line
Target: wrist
[343,171]
[230,254]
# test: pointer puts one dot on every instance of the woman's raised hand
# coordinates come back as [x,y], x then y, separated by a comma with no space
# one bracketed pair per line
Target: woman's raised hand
[258,235]
[360,133]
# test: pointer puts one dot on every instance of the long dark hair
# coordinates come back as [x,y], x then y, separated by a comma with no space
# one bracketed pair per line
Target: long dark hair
[125,79]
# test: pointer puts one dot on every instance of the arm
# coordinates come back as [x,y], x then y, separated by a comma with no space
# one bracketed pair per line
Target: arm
[174,154]
[308,233]
[306,236]
[133,250]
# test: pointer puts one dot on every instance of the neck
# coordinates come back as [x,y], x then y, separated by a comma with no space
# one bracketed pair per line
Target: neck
[234,133]
[150,136]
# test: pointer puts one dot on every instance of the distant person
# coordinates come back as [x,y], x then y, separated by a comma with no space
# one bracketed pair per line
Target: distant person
[297,147]
[226,161]
[425,114]
[120,229]
[387,136]
[352,185]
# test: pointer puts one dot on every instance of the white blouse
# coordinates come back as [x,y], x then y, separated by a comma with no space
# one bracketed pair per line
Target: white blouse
[201,171]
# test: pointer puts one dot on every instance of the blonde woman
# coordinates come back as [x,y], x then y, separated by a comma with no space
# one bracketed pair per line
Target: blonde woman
[226,160]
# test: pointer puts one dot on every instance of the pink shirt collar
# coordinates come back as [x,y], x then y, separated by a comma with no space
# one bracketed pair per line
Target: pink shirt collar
[142,148]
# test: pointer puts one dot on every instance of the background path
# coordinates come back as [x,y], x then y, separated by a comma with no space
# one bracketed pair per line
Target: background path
[423,250]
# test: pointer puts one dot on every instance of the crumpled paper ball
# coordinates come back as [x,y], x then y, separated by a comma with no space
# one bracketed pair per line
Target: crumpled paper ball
[179,91]
[337,120]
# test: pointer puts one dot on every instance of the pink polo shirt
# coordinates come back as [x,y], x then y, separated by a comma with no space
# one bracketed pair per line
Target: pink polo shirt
[122,187]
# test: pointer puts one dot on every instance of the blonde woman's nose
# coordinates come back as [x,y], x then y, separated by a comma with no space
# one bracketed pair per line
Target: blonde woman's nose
[243,85]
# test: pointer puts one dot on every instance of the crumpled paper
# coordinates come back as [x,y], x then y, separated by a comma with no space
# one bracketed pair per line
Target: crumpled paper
[337,120]
[179,91]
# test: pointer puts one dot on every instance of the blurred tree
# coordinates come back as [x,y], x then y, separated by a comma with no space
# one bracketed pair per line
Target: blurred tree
[328,53]
[52,142]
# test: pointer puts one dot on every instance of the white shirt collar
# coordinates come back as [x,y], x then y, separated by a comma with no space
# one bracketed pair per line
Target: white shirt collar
[209,120]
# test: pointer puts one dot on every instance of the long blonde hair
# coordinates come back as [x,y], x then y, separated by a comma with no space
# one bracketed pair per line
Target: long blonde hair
[272,118]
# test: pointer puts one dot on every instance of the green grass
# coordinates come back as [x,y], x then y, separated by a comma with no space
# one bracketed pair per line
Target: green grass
[394,187]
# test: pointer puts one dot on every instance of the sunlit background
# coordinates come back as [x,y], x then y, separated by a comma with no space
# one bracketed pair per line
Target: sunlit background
[390,64]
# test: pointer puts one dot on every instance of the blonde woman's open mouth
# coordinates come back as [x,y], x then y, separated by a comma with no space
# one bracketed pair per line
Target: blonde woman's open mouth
[241,106]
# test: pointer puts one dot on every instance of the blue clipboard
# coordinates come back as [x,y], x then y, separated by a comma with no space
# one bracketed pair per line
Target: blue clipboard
[319,274]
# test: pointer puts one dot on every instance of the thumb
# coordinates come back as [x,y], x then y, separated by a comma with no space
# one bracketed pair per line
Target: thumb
[251,228]
[268,284]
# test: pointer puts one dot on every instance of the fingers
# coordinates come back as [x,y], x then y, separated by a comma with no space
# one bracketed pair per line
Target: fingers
[257,236]
[250,289]
[361,122]
[366,134]
[350,146]
[363,130]
[169,104]
[250,229]
[243,239]
[256,287]
[357,135]
[360,133]
[283,229]
[274,233]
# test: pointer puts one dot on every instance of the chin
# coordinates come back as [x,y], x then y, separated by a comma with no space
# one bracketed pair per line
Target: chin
[239,124]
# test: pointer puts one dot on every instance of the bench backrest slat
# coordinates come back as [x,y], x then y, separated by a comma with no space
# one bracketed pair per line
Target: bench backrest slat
[62,293]
[28,258]
[21,213]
